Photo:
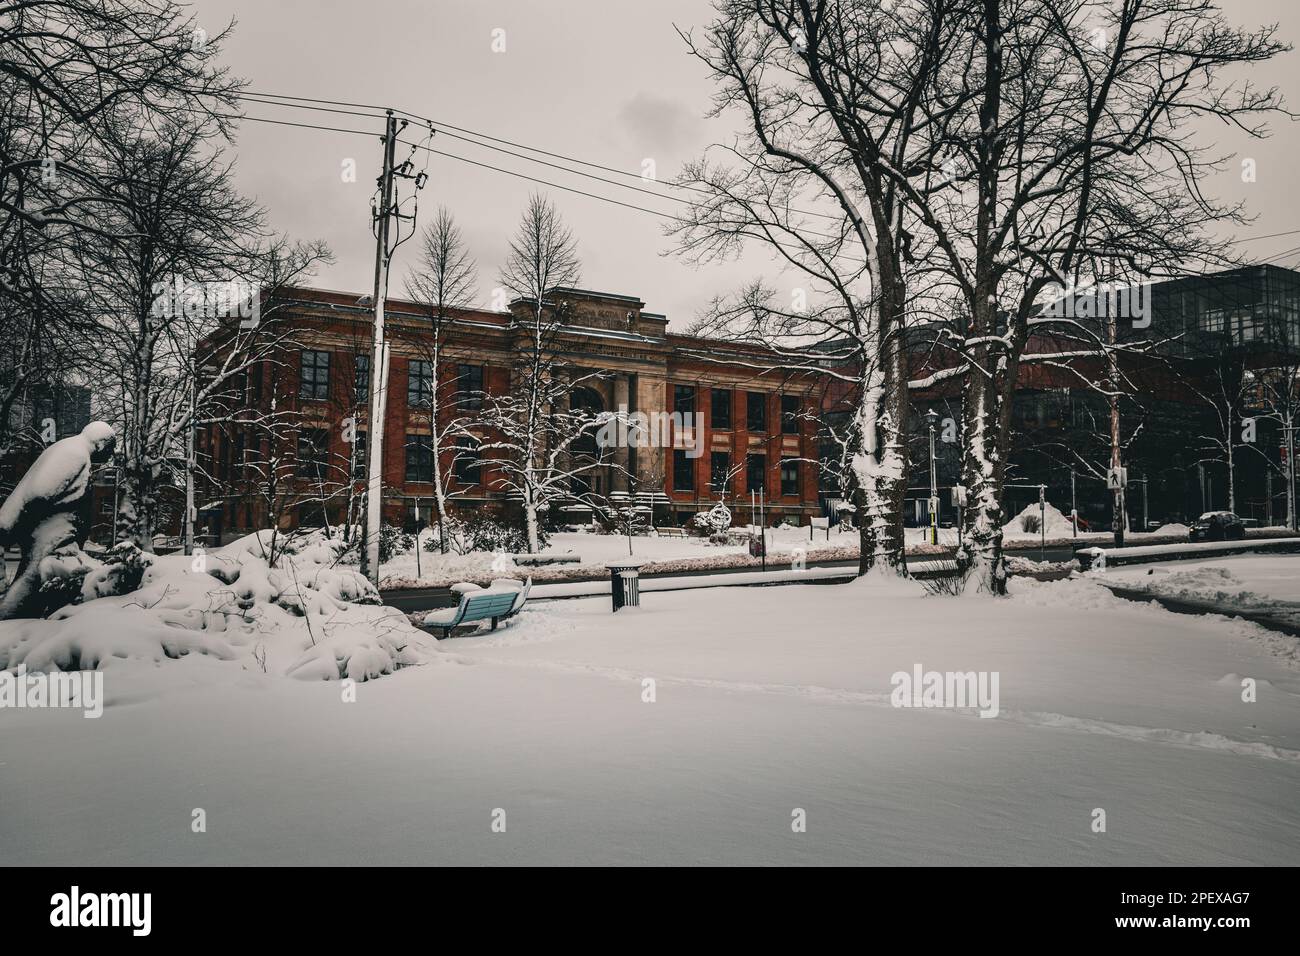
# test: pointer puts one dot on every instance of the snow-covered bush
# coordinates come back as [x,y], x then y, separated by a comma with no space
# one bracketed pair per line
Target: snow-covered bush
[120,571]
[393,541]
[306,617]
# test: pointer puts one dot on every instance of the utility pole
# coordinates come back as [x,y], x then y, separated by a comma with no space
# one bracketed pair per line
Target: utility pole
[378,364]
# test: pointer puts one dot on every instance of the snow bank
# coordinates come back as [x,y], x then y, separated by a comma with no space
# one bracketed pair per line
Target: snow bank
[303,618]
[1057,522]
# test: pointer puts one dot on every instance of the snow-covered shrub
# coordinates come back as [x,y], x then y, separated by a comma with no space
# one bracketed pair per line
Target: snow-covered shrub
[485,533]
[393,541]
[120,571]
[1030,523]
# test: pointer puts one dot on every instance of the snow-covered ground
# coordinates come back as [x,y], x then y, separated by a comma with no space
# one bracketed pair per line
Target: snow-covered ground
[766,701]
[1237,582]
[668,553]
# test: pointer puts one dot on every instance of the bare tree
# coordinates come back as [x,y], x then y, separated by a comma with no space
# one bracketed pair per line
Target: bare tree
[532,428]
[831,93]
[1061,151]
[444,281]
[178,229]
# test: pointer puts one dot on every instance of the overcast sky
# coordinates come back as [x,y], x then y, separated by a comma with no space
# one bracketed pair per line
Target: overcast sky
[607,81]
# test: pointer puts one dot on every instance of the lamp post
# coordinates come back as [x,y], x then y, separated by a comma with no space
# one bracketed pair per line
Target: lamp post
[931,420]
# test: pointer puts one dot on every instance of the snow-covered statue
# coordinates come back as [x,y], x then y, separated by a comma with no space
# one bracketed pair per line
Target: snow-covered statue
[715,522]
[48,516]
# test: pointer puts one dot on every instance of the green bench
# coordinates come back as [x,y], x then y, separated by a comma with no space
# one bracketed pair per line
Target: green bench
[491,604]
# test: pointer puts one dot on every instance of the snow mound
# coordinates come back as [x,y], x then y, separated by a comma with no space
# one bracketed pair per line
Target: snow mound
[1027,521]
[303,618]
[1173,529]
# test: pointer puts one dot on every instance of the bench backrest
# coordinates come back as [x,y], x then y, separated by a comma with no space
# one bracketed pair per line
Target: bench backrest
[480,605]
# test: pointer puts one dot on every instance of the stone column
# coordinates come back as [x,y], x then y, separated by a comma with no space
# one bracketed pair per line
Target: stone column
[619,480]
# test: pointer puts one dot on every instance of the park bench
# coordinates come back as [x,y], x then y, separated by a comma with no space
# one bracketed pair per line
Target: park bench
[493,604]
[671,532]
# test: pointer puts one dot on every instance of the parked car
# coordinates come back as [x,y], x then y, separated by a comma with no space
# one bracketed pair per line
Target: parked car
[1217,526]
[1080,520]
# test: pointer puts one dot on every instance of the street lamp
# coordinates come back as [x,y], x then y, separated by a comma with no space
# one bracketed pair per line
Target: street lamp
[932,419]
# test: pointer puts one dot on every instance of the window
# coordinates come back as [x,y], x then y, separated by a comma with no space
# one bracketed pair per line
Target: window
[789,476]
[684,400]
[683,472]
[469,386]
[419,458]
[313,452]
[361,378]
[255,386]
[719,465]
[240,456]
[789,414]
[467,464]
[721,417]
[314,380]
[756,411]
[419,384]
[755,472]
[359,456]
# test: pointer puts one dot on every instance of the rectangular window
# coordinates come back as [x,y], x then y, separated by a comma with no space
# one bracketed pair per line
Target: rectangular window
[684,399]
[756,411]
[683,472]
[469,386]
[755,472]
[419,458]
[789,476]
[419,384]
[359,456]
[313,453]
[721,417]
[361,378]
[255,386]
[314,379]
[719,466]
[466,466]
[789,414]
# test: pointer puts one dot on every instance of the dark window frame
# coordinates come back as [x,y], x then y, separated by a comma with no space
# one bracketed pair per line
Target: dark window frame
[721,399]
[790,412]
[419,455]
[684,399]
[789,482]
[313,456]
[419,383]
[467,469]
[756,412]
[750,485]
[683,471]
[314,375]
[719,480]
[469,386]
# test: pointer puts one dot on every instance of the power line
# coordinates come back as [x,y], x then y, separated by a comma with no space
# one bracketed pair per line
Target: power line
[453,131]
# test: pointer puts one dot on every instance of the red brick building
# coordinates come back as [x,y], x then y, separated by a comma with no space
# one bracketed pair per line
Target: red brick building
[757,417]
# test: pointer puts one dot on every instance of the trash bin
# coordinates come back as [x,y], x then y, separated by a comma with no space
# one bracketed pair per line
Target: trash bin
[625,584]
